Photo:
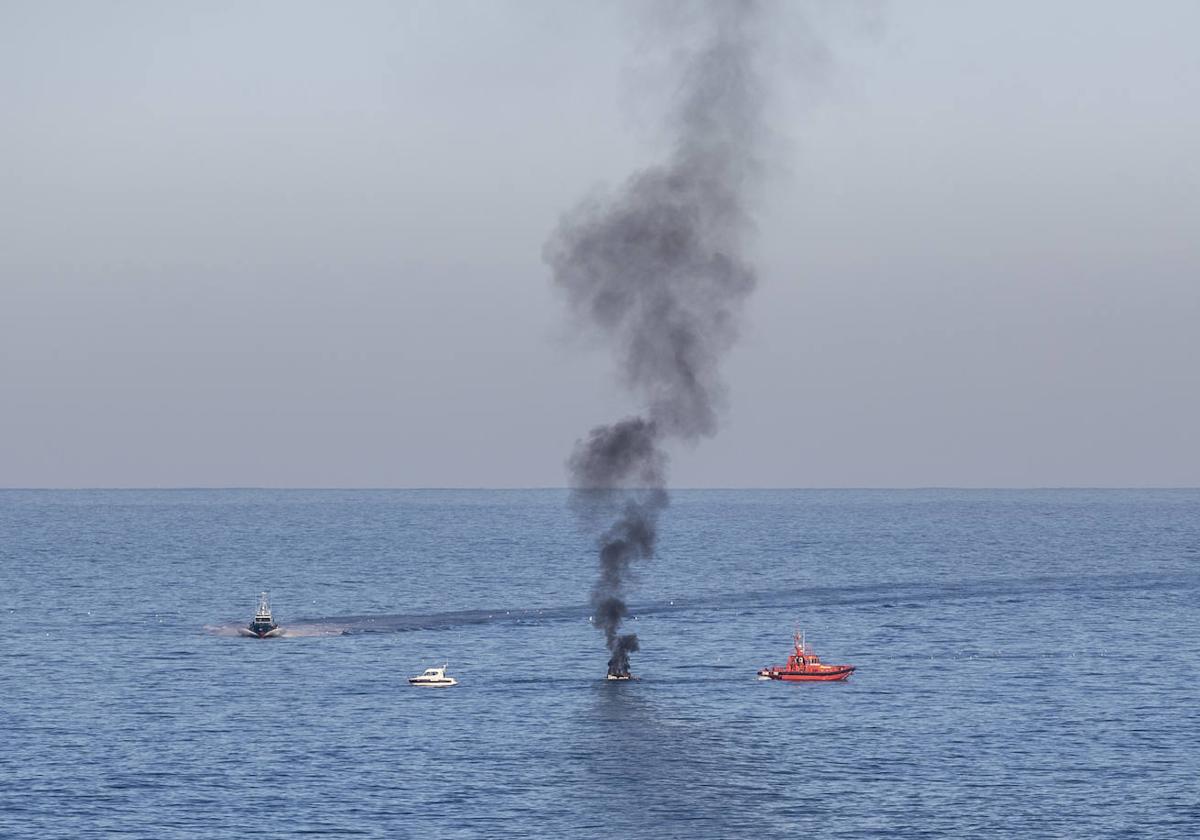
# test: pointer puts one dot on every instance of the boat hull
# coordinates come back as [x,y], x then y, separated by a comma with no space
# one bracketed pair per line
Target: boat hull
[433,683]
[261,632]
[832,675]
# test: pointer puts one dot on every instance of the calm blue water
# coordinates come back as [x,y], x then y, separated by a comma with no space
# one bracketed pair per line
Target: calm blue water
[1028,666]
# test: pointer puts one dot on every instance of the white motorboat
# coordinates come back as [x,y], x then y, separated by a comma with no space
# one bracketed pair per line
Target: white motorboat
[433,678]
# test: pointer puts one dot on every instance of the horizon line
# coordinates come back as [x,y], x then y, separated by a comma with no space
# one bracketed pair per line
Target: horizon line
[513,488]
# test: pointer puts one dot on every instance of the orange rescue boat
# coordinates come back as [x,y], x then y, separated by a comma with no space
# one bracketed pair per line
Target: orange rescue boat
[805,666]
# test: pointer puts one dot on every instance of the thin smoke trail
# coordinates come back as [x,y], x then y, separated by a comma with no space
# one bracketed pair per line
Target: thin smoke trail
[658,268]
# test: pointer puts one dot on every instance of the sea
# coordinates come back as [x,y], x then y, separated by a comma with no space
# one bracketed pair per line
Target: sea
[1028,665]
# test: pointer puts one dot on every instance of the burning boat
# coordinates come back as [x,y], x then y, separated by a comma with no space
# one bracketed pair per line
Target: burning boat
[805,666]
[263,626]
[618,665]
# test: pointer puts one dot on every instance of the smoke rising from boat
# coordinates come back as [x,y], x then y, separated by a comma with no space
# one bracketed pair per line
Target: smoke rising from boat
[658,268]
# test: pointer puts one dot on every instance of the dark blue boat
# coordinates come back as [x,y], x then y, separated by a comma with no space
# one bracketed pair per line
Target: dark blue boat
[263,626]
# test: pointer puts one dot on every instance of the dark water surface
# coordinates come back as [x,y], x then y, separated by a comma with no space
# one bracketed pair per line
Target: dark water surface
[1028,666]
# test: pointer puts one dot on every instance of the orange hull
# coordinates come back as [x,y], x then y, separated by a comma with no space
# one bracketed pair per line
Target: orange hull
[832,675]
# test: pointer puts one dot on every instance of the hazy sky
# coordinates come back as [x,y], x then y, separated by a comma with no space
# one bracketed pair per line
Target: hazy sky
[299,244]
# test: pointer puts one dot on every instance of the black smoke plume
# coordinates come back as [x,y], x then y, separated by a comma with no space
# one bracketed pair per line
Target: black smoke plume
[658,268]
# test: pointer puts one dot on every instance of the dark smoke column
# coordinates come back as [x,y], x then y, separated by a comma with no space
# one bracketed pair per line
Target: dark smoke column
[658,267]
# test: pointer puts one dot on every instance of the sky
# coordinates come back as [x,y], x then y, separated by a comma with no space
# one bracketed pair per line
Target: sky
[299,244]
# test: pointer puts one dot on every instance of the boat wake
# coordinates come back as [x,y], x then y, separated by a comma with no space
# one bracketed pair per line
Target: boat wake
[871,596]
[346,625]
[407,622]
[298,630]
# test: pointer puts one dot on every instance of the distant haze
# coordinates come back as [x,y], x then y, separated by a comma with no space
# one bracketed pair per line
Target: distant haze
[300,244]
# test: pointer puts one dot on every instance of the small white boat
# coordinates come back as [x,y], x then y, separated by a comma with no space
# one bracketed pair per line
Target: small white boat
[434,678]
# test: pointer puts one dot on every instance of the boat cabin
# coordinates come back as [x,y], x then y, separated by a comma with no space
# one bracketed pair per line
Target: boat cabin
[263,614]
